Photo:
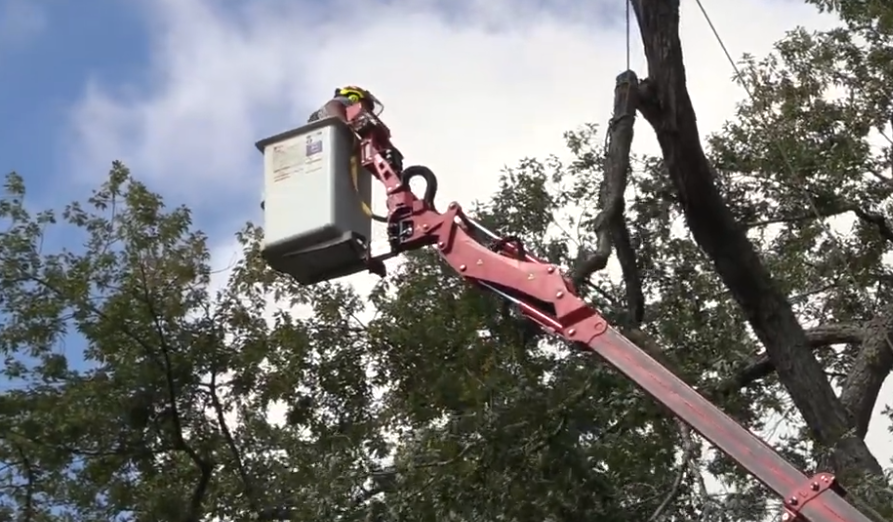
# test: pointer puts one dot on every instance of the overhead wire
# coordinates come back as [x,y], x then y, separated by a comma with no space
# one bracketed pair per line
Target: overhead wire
[788,164]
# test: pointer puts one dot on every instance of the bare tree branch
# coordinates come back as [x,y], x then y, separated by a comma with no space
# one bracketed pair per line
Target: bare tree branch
[688,453]
[762,366]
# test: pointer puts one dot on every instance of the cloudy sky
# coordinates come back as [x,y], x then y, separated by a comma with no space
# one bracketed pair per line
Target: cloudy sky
[181,89]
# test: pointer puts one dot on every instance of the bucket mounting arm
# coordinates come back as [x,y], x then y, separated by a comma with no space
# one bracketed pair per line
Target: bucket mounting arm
[544,295]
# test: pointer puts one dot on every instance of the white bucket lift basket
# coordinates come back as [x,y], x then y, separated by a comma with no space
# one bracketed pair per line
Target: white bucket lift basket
[315,228]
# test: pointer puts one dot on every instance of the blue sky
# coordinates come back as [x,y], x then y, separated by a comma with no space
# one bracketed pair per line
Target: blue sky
[44,70]
[81,82]
[46,55]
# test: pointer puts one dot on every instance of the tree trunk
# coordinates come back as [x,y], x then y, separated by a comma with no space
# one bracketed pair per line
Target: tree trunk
[665,103]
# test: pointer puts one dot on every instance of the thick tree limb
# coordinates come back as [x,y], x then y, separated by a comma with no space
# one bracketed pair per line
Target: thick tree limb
[668,108]
[874,219]
[863,383]
[610,224]
[818,337]
[762,366]
[828,334]
[871,368]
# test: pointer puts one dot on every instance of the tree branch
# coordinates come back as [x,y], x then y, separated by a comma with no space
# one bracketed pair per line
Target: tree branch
[610,224]
[762,367]
[629,267]
[871,368]
[828,334]
[247,487]
[28,511]
[670,112]
[827,212]
[878,220]
[204,466]
[688,453]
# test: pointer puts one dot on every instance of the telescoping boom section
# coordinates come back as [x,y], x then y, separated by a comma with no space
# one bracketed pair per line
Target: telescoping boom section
[544,295]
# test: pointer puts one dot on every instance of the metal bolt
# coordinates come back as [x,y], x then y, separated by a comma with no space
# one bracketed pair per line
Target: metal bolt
[425,226]
[462,268]
[814,486]
[559,294]
[453,204]
[792,501]
[550,269]
[785,516]
[441,245]
[571,332]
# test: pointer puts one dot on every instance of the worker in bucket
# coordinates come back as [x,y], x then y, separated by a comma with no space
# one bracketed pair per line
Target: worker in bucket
[345,97]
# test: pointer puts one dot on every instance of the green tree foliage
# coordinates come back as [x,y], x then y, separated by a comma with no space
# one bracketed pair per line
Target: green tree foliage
[150,432]
[443,404]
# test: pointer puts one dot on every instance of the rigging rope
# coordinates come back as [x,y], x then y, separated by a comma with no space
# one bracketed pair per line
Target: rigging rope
[628,17]
[614,118]
[835,240]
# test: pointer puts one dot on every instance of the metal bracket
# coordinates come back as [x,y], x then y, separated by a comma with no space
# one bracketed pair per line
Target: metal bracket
[817,485]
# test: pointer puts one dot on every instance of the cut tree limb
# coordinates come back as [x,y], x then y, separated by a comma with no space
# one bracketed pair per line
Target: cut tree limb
[610,224]
[666,104]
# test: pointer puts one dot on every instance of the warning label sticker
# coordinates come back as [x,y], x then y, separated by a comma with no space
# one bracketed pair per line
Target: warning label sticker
[301,155]
[288,159]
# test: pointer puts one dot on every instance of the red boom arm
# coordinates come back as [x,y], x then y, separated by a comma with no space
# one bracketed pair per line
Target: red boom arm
[545,296]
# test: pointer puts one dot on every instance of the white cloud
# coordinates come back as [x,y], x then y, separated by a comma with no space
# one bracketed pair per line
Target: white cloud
[467,91]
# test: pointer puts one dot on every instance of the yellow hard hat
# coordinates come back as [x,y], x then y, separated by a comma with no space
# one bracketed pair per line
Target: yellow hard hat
[359,95]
